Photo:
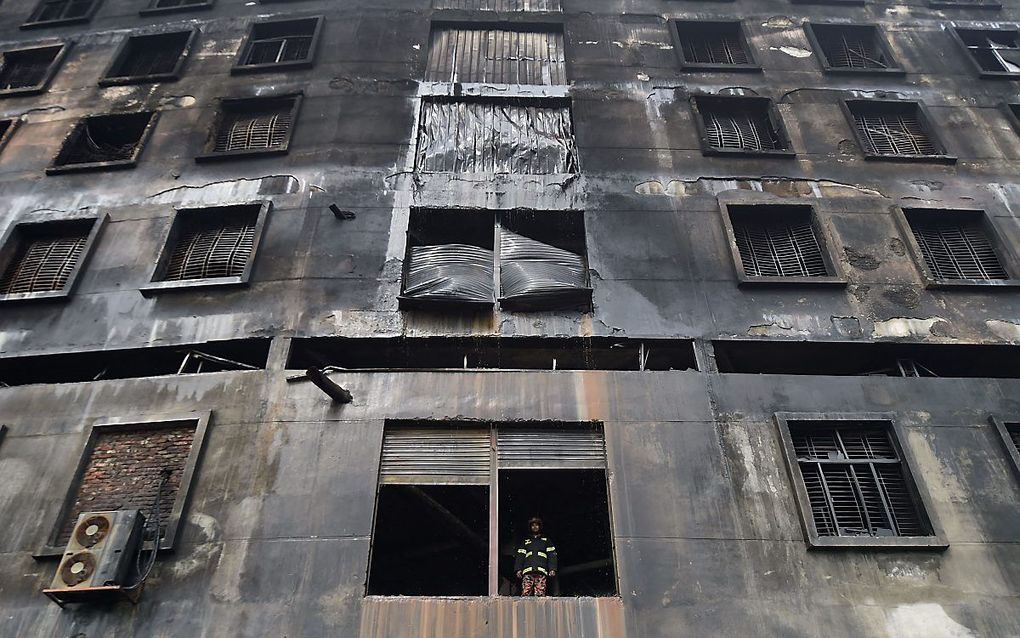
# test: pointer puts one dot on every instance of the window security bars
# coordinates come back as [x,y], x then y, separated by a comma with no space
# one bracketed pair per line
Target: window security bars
[280,43]
[781,248]
[996,52]
[27,69]
[712,44]
[956,248]
[44,263]
[212,249]
[66,11]
[264,130]
[104,141]
[149,57]
[889,129]
[855,481]
[740,124]
[851,47]
[496,55]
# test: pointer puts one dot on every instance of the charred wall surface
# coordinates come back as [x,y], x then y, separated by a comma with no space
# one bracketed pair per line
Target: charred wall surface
[708,540]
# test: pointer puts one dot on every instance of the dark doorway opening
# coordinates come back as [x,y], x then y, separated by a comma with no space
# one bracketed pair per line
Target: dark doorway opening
[431,540]
[574,507]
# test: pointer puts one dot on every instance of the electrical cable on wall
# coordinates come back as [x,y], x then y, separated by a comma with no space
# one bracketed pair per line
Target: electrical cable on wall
[154,516]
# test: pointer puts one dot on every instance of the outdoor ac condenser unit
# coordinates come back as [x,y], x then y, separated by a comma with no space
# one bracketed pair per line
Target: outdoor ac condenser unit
[98,558]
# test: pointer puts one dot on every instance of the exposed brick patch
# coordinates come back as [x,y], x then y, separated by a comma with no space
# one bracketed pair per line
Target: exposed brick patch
[123,471]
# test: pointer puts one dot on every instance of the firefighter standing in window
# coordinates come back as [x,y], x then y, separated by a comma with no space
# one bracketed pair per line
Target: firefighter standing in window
[536,560]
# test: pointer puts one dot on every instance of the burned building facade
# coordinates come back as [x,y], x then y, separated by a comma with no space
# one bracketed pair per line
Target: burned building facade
[339,295]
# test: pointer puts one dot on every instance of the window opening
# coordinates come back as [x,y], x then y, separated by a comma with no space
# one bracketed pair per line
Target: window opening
[994,51]
[1014,434]
[964,4]
[27,69]
[262,125]
[6,129]
[777,241]
[213,243]
[104,141]
[855,480]
[505,56]
[150,57]
[867,359]
[955,244]
[45,256]
[62,11]
[498,353]
[851,47]
[451,495]
[274,43]
[740,124]
[517,136]
[712,43]
[508,6]
[892,129]
[173,6]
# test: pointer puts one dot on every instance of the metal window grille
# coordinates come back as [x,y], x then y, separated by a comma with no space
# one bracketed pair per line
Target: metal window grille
[703,43]
[745,127]
[893,131]
[957,249]
[257,129]
[496,55]
[211,249]
[856,482]
[151,55]
[994,51]
[852,48]
[53,10]
[782,248]
[43,264]
[24,69]
[280,42]
[105,138]
[509,6]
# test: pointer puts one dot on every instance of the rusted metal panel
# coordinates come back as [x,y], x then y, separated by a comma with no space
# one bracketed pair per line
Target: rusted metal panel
[496,55]
[568,447]
[450,455]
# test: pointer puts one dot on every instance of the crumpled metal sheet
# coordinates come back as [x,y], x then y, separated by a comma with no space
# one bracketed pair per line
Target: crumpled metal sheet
[537,271]
[451,272]
[499,136]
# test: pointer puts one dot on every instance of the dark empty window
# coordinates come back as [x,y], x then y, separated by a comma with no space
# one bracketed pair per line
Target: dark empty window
[855,480]
[441,508]
[893,130]
[6,130]
[778,241]
[175,6]
[253,127]
[209,247]
[50,12]
[710,45]
[279,44]
[740,125]
[149,58]
[955,245]
[42,258]
[964,4]
[851,48]
[451,260]
[995,52]
[104,141]
[26,71]
[1014,434]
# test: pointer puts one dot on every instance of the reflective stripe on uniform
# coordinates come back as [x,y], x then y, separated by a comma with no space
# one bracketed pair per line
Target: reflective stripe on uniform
[521,551]
[543,554]
[550,549]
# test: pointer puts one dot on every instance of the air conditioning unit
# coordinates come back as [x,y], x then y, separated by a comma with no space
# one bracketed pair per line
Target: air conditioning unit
[98,558]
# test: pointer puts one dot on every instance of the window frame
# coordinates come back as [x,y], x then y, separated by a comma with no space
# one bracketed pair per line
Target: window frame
[822,235]
[152,9]
[983,73]
[89,437]
[775,118]
[239,67]
[925,119]
[878,36]
[123,48]
[31,23]
[908,462]
[1008,259]
[860,3]
[951,4]
[1001,427]
[10,243]
[752,66]
[171,236]
[225,105]
[58,169]
[51,70]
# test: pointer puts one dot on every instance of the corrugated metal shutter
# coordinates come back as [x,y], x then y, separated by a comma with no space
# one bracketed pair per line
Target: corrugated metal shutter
[499,5]
[550,447]
[436,455]
[496,55]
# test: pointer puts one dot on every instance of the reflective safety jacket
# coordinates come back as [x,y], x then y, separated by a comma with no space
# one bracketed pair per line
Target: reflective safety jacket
[536,554]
